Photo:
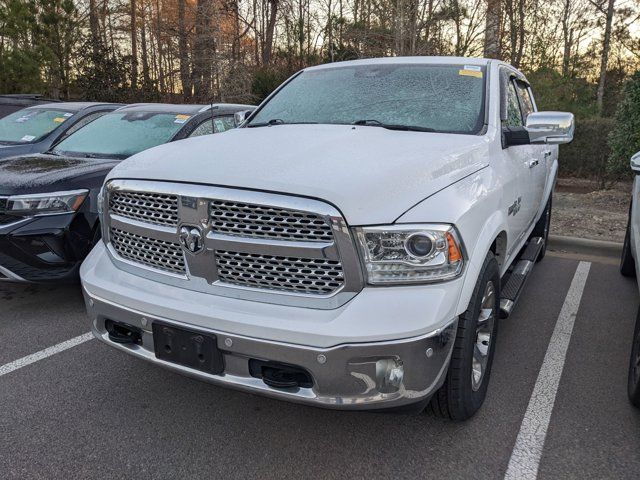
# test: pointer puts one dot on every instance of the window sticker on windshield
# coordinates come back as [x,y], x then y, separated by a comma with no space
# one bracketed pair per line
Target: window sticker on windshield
[68,114]
[27,138]
[21,119]
[181,118]
[59,119]
[470,71]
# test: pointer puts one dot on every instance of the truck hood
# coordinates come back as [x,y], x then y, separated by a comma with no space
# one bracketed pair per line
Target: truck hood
[371,174]
[49,173]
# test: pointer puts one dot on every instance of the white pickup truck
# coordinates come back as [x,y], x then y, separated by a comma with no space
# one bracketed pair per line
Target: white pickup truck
[351,246]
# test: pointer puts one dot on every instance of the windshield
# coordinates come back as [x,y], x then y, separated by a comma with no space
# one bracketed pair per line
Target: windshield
[122,134]
[441,98]
[30,125]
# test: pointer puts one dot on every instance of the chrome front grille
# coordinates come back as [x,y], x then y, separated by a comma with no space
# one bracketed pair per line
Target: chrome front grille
[260,221]
[155,208]
[147,251]
[276,248]
[306,275]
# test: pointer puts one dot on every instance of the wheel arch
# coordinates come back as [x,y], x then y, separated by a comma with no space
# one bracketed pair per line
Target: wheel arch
[492,238]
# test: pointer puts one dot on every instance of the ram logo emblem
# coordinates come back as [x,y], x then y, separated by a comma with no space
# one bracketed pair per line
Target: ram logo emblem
[191,238]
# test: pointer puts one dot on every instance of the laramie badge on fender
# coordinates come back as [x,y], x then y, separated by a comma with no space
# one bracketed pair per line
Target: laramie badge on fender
[191,238]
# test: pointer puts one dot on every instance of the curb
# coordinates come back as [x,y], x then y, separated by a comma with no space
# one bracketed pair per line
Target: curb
[585,246]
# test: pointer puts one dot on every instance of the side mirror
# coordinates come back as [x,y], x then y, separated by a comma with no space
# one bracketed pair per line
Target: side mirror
[550,127]
[241,116]
[635,163]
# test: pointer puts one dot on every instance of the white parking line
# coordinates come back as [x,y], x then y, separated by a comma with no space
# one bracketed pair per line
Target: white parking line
[42,354]
[525,458]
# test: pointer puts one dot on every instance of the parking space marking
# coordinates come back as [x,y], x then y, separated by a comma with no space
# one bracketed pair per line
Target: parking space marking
[527,451]
[42,354]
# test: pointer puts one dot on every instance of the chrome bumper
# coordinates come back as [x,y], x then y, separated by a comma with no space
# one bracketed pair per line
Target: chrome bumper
[349,376]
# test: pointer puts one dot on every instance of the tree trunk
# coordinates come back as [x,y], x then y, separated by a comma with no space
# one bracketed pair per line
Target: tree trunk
[94,27]
[134,46]
[183,52]
[201,60]
[566,38]
[271,26]
[146,78]
[521,34]
[492,29]
[606,46]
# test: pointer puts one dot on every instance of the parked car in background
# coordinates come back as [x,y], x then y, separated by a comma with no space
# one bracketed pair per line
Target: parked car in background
[629,268]
[10,103]
[353,246]
[48,210]
[35,129]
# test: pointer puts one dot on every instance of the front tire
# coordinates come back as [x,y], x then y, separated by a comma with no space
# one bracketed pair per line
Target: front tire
[465,386]
[634,366]
[627,263]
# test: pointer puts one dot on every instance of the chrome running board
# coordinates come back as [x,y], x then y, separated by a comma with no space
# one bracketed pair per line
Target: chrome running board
[511,290]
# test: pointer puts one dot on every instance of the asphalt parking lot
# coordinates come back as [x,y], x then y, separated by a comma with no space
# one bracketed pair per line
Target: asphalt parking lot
[92,412]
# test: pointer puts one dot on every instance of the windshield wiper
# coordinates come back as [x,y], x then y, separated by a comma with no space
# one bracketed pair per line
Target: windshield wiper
[392,126]
[277,121]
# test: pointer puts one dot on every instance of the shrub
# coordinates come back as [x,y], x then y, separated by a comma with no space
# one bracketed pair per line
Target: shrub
[624,139]
[587,156]
[265,81]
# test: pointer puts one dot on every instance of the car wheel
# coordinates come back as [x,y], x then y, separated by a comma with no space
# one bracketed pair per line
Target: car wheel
[634,366]
[627,263]
[465,386]
[542,228]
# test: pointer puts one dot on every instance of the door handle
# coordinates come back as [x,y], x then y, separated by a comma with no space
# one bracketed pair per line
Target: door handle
[547,154]
[533,163]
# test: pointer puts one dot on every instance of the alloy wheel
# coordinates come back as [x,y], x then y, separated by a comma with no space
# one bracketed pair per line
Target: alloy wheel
[484,331]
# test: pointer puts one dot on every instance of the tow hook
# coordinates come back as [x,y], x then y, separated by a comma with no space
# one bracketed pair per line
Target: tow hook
[123,333]
[280,375]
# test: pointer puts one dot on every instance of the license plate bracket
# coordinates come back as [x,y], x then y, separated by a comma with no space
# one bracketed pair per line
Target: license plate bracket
[188,348]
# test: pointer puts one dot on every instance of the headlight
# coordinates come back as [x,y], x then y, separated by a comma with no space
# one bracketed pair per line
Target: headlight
[410,253]
[45,203]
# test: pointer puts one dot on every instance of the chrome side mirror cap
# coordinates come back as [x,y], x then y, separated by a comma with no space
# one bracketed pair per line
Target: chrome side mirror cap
[241,116]
[550,127]
[635,162]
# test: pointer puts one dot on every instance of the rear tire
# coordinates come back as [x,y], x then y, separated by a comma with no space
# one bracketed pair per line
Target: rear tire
[465,386]
[627,263]
[542,228]
[634,366]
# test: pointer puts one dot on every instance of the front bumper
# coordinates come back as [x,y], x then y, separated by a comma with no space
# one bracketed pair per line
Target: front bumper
[411,326]
[45,248]
[347,376]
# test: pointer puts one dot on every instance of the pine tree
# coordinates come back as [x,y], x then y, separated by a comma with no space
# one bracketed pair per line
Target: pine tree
[625,138]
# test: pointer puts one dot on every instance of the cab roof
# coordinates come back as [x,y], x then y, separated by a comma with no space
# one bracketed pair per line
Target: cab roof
[407,60]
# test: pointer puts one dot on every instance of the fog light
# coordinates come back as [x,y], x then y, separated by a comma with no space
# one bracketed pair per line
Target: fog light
[389,374]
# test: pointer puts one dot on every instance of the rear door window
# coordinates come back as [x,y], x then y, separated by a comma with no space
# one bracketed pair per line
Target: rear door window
[514,114]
